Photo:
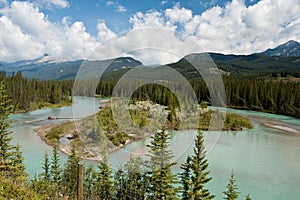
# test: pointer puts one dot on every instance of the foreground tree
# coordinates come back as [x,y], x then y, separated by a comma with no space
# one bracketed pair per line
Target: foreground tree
[162,179]
[5,138]
[196,173]
[130,180]
[70,175]
[104,186]
[231,193]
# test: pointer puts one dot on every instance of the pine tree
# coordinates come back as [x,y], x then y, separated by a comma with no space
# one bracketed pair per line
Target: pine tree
[231,193]
[18,166]
[185,179]
[200,172]
[90,178]
[120,185]
[70,174]
[5,139]
[55,169]
[162,180]
[104,180]
[46,167]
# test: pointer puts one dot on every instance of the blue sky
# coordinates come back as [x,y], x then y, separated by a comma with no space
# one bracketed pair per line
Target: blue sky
[73,29]
[117,13]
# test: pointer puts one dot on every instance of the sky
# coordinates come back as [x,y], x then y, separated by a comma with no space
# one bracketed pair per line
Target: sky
[154,31]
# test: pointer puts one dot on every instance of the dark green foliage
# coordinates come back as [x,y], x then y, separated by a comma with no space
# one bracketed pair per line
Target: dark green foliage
[199,165]
[33,94]
[17,163]
[90,182]
[131,181]
[231,193]
[70,175]
[196,173]
[5,138]
[185,180]
[46,167]
[162,179]
[55,169]
[104,185]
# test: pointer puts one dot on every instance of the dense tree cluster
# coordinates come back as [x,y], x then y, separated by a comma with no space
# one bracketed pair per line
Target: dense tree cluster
[27,94]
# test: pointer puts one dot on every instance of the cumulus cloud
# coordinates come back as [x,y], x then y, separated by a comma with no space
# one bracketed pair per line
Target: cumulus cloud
[234,28]
[177,14]
[104,33]
[26,33]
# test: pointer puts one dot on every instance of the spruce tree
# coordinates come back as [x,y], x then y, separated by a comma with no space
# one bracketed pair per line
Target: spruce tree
[18,166]
[185,179]
[46,167]
[90,177]
[5,138]
[248,197]
[104,180]
[231,193]
[70,174]
[120,185]
[55,169]
[200,172]
[162,179]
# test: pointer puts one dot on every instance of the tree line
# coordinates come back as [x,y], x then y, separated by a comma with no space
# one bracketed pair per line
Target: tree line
[280,96]
[277,96]
[29,94]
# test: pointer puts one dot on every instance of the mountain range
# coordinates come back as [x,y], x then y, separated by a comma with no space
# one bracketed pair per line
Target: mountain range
[284,58]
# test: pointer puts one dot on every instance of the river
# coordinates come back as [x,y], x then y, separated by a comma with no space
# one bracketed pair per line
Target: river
[266,161]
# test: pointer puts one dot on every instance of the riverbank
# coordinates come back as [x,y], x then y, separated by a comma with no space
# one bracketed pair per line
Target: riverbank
[282,127]
[43,105]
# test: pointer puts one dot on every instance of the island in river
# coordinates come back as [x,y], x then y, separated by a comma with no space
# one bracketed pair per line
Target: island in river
[102,130]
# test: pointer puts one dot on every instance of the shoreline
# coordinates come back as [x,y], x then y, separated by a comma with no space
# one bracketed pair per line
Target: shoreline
[281,127]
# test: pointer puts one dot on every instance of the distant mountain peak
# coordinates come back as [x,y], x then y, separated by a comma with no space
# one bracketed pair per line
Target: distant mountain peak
[288,49]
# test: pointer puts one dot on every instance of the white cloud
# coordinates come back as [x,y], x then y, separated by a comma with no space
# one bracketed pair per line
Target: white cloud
[121,8]
[163,2]
[177,14]
[26,33]
[49,4]
[150,19]
[109,3]
[234,28]
[116,5]
[104,33]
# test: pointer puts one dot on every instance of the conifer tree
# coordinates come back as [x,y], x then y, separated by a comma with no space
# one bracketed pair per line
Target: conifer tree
[55,169]
[162,180]
[70,174]
[185,179]
[120,185]
[90,178]
[46,167]
[5,138]
[18,166]
[200,172]
[231,193]
[104,180]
